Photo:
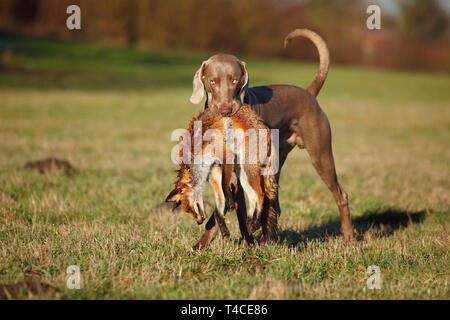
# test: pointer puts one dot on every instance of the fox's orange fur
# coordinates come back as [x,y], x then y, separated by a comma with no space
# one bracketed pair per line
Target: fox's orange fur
[261,189]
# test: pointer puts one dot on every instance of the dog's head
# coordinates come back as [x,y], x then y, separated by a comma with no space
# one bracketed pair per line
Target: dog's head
[187,198]
[225,80]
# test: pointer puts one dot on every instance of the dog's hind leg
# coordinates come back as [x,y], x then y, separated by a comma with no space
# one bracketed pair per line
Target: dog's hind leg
[316,135]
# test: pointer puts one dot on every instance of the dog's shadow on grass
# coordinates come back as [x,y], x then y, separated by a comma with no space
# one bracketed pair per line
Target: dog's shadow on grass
[381,223]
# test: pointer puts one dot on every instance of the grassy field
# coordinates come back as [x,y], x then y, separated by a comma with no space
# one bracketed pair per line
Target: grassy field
[110,112]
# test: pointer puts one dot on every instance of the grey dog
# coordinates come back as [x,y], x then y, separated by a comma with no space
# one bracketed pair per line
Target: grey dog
[291,109]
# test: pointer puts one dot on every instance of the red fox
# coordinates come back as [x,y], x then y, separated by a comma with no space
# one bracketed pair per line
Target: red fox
[221,147]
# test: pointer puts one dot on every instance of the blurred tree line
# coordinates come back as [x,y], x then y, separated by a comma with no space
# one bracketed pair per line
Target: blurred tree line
[415,37]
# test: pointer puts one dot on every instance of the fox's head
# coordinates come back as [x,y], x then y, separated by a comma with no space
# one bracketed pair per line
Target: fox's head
[189,198]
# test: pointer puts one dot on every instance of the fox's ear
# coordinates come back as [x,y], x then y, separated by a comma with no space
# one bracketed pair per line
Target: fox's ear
[174,196]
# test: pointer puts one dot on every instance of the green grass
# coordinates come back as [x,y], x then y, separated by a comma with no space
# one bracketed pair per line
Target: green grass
[110,112]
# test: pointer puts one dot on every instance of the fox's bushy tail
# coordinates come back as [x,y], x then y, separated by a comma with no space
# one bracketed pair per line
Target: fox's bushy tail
[270,213]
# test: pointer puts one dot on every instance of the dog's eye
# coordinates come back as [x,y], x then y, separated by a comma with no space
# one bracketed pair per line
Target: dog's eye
[234,81]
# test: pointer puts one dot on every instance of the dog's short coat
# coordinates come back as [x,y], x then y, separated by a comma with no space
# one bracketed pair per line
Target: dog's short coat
[222,148]
[292,110]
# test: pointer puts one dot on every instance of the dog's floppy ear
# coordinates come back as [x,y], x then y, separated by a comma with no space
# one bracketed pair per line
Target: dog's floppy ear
[198,87]
[244,85]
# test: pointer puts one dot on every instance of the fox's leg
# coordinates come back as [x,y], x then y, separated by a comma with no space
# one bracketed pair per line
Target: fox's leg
[250,179]
[215,222]
[241,212]
[215,179]
[270,213]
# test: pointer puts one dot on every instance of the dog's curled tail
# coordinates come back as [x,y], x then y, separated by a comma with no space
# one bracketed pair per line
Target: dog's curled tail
[324,56]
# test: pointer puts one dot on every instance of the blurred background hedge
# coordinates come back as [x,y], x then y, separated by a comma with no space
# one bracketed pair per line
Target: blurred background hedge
[414,33]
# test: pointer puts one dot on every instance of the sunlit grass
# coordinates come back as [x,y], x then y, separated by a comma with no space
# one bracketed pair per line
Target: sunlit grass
[390,139]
